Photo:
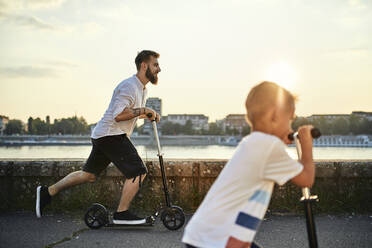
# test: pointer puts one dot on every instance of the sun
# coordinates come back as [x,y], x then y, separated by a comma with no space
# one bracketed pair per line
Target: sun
[282,74]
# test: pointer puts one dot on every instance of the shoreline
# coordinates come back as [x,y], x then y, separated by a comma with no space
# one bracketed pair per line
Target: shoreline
[362,141]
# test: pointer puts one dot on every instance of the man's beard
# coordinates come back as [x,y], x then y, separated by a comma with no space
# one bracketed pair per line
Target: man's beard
[151,76]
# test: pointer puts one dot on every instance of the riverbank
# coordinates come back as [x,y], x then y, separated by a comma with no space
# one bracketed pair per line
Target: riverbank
[176,140]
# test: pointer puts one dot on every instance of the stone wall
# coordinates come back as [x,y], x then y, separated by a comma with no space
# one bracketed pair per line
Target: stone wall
[342,186]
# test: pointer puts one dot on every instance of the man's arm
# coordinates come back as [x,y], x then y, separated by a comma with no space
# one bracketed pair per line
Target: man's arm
[130,113]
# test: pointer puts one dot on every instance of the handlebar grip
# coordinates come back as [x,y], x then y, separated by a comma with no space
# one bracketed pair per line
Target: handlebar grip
[315,133]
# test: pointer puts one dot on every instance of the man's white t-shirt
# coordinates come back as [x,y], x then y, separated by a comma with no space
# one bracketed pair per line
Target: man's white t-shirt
[129,93]
[238,199]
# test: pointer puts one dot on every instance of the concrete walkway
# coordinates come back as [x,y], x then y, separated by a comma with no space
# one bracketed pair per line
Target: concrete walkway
[23,229]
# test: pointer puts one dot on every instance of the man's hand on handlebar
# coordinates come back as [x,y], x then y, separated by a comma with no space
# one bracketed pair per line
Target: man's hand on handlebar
[151,114]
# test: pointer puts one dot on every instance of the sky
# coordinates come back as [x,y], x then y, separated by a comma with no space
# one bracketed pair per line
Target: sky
[65,57]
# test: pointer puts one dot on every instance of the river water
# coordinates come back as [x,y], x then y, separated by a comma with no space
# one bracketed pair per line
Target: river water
[172,152]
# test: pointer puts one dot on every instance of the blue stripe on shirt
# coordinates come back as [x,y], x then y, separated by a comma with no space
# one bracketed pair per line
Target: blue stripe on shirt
[247,221]
[260,196]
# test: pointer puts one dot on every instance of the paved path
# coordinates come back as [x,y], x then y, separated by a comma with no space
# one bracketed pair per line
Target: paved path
[23,229]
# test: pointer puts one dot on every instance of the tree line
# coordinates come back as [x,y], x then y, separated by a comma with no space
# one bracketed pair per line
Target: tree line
[351,125]
[169,128]
[72,125]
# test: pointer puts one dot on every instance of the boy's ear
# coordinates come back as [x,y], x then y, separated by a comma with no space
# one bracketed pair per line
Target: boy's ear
[274,114]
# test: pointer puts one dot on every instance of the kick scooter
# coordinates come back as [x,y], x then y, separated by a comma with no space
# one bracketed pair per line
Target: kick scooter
[172,216]
[307,198]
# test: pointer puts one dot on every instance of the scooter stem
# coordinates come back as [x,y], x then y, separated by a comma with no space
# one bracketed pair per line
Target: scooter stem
[307,199]
[156,136]
[305,191]
[161,162]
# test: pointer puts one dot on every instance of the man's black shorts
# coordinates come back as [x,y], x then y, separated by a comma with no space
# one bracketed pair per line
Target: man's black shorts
[117,149]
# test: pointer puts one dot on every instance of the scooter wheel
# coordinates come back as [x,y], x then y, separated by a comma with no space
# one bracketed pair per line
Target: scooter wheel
[173,218]
[96,216]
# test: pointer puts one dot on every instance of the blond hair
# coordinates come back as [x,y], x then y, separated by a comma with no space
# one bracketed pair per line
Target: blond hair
[264,96]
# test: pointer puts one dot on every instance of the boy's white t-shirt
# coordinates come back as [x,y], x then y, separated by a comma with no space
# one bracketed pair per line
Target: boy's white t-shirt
[238,199]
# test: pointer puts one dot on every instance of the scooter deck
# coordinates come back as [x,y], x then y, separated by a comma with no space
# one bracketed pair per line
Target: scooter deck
[129,225]
[150,221]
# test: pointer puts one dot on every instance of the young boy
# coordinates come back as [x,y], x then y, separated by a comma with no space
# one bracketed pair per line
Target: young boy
[231,212]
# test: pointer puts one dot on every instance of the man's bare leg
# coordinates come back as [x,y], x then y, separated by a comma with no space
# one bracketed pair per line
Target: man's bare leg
[72,179]
[130,189]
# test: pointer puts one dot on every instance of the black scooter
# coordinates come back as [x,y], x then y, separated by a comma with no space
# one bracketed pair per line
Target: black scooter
[172,216]
[307,198]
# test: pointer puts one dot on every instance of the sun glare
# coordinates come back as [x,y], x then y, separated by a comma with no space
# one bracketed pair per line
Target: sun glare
[282,74]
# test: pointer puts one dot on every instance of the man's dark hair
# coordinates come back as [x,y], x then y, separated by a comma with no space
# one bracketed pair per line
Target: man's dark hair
[144,56]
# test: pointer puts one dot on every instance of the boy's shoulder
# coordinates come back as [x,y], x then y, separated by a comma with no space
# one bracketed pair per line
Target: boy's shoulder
[259,143]
[257,136]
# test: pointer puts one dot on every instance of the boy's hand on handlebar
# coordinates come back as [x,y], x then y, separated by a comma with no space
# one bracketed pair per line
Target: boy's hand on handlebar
[304,133]
[286,140]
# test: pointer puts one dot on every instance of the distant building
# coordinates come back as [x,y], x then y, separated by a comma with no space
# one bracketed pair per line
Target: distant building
[3,121]
[235,121]
[327,117]
[155,104]
[199,122]
[367,115]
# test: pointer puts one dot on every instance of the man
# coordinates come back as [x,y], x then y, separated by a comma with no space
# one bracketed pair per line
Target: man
[110,140]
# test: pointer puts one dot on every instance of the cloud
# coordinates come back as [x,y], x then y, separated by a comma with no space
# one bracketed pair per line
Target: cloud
[27,21]
[10,6]
[60,63]
[37,4]
[19,5]
[355,51]
[27,72]
[16,12]
[358,3]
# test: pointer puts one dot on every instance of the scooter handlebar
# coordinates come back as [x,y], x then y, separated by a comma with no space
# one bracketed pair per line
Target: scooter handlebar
[315,133]
[149,115]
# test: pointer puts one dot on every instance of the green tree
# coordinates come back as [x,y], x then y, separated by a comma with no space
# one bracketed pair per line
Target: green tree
[214,129]
[232,131]
[167,128]
[14,127]
[355,124]
[187,128]
[72,125]
[299,121]
[29,125]
[39,127]
[246,130]
[47,120]
[324,126]
[365,126]
[340,126]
